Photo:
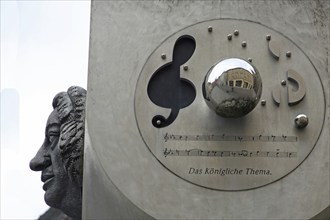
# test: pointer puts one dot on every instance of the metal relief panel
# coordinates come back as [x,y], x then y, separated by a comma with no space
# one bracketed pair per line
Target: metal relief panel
[229,104]
[141,142]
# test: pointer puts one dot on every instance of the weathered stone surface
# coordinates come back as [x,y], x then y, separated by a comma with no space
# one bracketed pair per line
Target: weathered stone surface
[124,179]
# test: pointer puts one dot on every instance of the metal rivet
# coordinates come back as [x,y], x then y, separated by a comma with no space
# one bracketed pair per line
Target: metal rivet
[185,67]
[244,44]
[163,56]
[288,54]
[158,122]
[263,102]
[301,120]
[236,32]
[210,28]
[283,82]
[229,36]
[268,37]
[250,59]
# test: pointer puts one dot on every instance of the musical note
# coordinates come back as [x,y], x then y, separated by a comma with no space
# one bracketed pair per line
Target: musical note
[166,137]
[240,139]
[172,137]
[195,152]
[277,152]
[273,137]
[284,137]
[166,152]
[234,154]
[262,138]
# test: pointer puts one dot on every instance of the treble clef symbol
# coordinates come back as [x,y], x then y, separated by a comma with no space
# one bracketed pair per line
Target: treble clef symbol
[166,137]
[167,152]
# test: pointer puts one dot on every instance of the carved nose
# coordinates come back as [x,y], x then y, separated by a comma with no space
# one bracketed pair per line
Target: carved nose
[38,163]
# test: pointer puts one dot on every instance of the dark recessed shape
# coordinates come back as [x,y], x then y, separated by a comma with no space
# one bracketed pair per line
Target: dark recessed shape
[167,89]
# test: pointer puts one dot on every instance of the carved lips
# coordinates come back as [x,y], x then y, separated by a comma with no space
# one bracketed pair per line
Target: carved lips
[46,178]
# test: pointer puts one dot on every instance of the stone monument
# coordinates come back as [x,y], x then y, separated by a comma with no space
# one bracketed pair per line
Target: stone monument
[60,158]
[207,110]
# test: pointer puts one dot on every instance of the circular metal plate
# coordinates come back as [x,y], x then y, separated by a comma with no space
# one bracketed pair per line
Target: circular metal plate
[234,153]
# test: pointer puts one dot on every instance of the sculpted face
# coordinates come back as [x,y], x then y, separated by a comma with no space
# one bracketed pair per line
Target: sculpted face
[60,157]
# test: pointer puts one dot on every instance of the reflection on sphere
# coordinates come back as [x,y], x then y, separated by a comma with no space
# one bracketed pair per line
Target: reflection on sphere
[232,88]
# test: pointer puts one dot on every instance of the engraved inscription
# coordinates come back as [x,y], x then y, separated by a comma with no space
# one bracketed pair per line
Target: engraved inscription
[224,137]
[229,171]
[235,154]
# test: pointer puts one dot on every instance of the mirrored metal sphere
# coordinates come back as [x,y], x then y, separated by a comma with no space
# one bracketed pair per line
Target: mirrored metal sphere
[301,120]
[232,88]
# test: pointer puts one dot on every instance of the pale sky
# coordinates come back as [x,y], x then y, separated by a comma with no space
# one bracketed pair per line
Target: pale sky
[44,50]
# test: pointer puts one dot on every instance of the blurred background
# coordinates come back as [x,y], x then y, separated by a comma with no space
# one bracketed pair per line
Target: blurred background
[44,50]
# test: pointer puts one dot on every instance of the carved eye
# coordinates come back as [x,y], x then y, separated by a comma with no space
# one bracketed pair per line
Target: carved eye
[52,136]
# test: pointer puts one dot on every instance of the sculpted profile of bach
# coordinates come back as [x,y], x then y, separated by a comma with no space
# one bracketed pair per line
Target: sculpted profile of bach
[60,158]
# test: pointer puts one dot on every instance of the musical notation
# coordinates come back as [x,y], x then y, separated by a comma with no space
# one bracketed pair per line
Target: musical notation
[241,153]
[224,137]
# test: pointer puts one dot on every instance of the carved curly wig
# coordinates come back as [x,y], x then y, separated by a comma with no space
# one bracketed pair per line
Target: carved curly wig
[70,106]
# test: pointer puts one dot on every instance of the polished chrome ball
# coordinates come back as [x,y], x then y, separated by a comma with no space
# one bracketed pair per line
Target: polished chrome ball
[232,88]
[301,120]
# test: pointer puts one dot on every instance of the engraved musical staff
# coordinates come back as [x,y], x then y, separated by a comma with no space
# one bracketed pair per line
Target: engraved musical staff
[235,138]
[241,153]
